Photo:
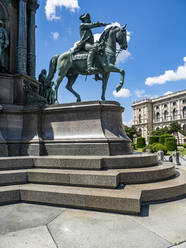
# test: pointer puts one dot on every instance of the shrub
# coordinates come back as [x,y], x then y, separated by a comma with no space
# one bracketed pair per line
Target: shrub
[170,144]
[144,148]
[153,139]
[184,145]
[157,147]
[163,137]
[140,142]
[133,146]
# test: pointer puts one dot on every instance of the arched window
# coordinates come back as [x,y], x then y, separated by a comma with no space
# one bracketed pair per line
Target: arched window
[175,114]
[157,116]
[184,112]
[139,118]
[165,115]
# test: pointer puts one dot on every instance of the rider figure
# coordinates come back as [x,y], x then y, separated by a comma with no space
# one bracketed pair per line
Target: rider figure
[87,39]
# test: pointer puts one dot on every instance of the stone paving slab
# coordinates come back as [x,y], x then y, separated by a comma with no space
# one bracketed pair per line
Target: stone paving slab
[36,226]
[38,237]
[88,229]
[20,216]
[167,220]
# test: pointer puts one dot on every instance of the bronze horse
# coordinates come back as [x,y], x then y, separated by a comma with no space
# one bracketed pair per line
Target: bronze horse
[70,64]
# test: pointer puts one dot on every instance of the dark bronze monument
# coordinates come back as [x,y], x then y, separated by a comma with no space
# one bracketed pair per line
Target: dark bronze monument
[17,49]
[30,127]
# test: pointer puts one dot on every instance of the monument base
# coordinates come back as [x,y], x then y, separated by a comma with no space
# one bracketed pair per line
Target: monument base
[87,128]
[12,88]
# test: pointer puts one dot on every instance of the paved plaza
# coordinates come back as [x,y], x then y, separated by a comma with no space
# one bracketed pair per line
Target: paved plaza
[35,226]
[160,225]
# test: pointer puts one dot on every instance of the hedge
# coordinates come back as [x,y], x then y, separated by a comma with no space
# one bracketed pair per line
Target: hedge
[157,147]
[184,145]
[140,142]
[170,144]
[163,137]
[153,139]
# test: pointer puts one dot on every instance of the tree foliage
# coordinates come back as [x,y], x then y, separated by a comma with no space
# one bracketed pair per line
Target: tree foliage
[174,127]
[131,132]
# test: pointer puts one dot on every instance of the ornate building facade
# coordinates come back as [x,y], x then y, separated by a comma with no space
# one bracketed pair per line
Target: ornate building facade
[153,114]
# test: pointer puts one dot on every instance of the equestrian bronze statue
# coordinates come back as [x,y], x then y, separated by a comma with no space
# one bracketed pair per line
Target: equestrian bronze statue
[89,58]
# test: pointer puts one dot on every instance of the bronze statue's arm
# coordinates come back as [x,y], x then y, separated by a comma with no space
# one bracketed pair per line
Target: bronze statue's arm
[93,25]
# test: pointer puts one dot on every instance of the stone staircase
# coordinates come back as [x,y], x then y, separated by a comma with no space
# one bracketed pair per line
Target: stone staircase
[108,183]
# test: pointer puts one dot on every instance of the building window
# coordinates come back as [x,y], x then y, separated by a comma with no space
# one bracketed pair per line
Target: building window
[175,114]
[174,103]
[166,115]
[157,116]
[139,118]
[139,110]
[165,105]
[157,107]
[184,101]
[184,112]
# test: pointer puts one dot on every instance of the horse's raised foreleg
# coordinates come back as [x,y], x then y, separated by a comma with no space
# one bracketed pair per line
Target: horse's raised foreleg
[104,85]
[71,81]
[113,68]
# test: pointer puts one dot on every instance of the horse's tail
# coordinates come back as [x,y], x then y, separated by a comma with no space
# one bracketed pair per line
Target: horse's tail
[52,68]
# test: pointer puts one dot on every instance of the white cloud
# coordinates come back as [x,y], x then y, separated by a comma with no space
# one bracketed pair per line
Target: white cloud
[51,5]
[127,123]
[96,37]
[122,57]
[55,35]
[124,93]
[140,93]
[128,36]
[167,93]
[169,75]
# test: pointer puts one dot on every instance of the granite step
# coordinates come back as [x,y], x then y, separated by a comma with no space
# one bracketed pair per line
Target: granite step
[164,190]
[9,194]
[10,177]
[96,162]
[101,179]
[15,163]
[121,200]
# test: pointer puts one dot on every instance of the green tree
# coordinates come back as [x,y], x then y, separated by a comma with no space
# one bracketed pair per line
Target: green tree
[174,128]
[160,132]
[131,132]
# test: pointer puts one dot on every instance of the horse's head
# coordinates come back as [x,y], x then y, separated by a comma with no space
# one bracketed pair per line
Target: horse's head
[121,37]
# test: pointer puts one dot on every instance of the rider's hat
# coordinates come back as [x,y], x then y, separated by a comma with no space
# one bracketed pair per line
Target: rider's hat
[84,17]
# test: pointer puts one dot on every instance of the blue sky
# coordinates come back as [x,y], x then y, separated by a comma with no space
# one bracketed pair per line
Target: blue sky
[155,62]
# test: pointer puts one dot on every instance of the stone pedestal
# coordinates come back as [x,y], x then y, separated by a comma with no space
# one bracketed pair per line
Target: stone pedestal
[88,128]
[12,88]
